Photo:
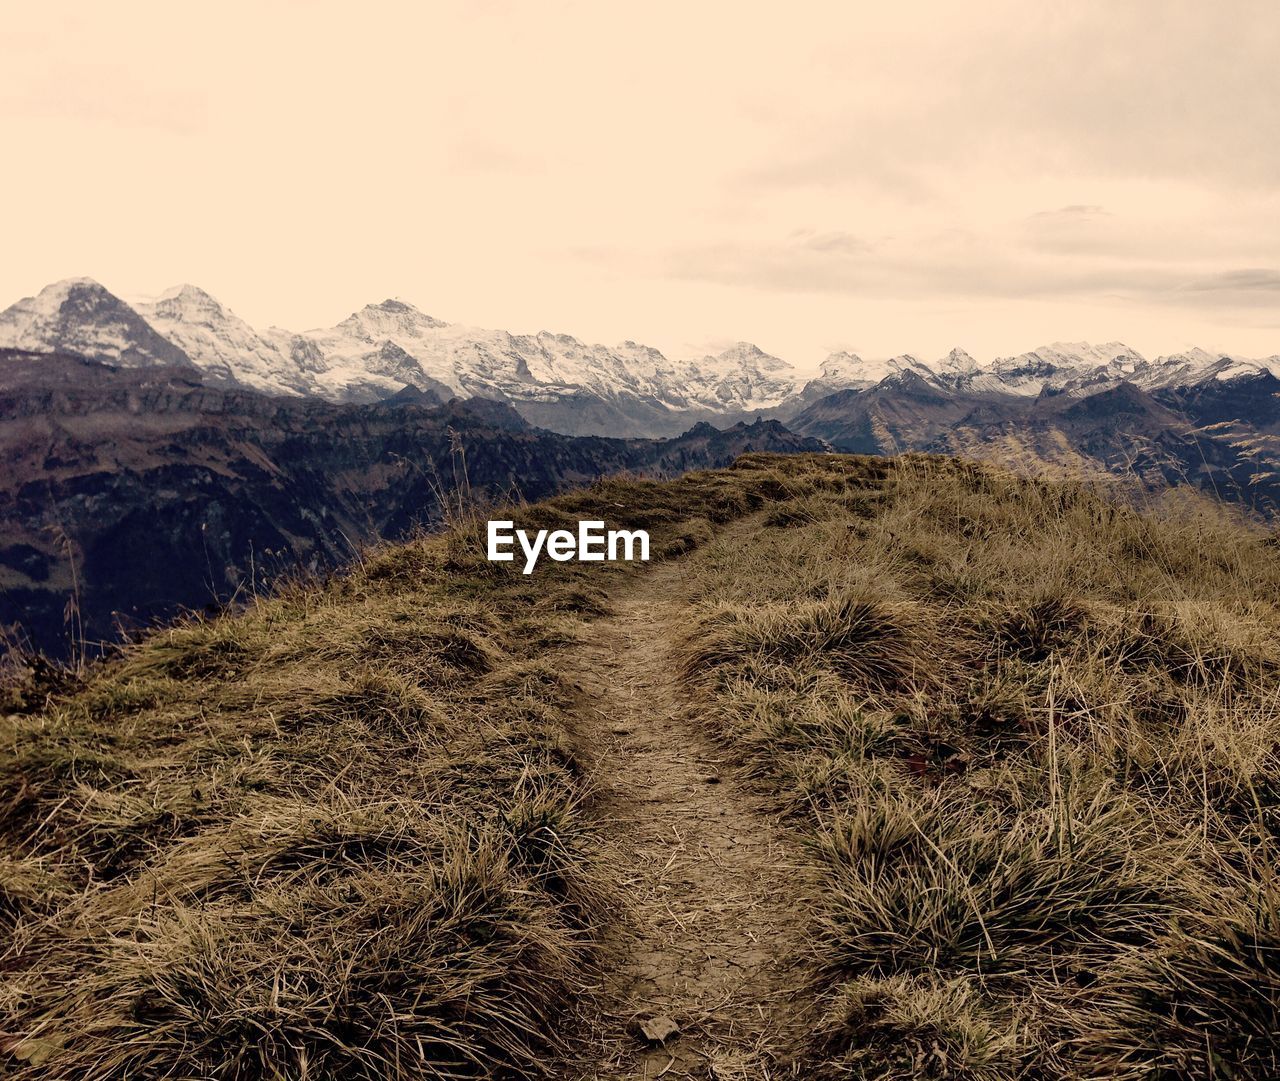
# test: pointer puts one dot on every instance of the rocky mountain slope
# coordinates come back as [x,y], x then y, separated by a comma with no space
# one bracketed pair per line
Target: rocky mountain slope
[1219,434]
[131,492]
[244,449]
[78,316]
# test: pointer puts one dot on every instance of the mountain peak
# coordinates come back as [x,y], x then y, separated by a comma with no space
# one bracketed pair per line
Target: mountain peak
[186,303]
[185,291]
[389,317]
[66,284]
[840,363]
[743,349]
[394,304]
[1093,355]
[958,361]
[80,291]
[82,317]
[750,355]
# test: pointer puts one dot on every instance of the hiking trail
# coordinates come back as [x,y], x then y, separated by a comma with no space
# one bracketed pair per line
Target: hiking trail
[714,885]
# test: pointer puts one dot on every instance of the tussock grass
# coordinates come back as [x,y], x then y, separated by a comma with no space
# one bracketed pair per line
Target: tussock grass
[1032,730]
[872,645]
[912,1027]
[339,835]
[1035,733]
[1205,1002]
[923,885]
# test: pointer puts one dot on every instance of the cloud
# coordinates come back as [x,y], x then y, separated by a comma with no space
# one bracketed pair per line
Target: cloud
[1244,287]
[1074,212]
[472,153]
[964,264]
[107,97]
[952,263]
[1248,279]
[896,172]
[833,242]
[1149,89]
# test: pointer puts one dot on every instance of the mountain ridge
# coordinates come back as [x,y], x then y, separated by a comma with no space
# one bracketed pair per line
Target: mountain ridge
[554,380]
[890,768]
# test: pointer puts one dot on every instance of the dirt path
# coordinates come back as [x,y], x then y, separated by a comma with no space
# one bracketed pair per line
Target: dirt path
[716,886]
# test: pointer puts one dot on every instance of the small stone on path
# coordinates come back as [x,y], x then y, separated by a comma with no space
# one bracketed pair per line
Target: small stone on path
[657,1030]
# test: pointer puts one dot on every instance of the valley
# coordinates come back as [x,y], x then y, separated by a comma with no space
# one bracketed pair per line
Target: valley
[130,494]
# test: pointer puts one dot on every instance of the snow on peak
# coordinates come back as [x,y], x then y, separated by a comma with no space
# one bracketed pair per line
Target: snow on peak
[385,346]
[54,298]
[905,362]
[188,294]
[748,355]
[70,285]
[841,370]
[187,303]
[1199,365]
[80,316]
[223,344]
[841,365]
[388,319]
[957,361]
[848,371]
[1077,354]
[1195,355]
[742,377]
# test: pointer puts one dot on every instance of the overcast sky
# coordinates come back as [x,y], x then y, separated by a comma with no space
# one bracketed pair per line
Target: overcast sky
[886,178]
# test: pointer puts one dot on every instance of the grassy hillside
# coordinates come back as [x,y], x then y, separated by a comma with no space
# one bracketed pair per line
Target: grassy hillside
[1035,735]
[1030,734]
[337,836]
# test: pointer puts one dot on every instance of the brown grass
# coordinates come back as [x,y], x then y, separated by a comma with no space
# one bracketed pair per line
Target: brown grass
[1035,733]
[341,834]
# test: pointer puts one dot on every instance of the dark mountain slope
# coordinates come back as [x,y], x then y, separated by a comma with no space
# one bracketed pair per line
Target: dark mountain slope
[1252,400]
[893,415]
[1223,436]
[141,491]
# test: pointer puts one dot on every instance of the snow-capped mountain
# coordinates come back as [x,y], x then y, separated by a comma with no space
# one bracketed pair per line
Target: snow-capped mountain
[848,371]
[742,378]
[1199,366]
[553,380]
[222,343]
[80,316]
[957,363]
[1080,368]
[1050,366]
[467,361]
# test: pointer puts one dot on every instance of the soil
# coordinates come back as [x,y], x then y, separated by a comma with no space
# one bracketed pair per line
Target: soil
[714,885]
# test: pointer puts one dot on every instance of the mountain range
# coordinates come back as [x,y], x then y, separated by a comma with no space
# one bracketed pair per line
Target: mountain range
[1210,422]
[554,381]
[165,454]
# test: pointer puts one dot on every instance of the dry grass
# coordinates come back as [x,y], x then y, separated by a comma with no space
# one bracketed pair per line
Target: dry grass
[1035,732]
[338,835]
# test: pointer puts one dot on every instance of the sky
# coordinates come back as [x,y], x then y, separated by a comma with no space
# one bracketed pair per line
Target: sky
[883,178]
